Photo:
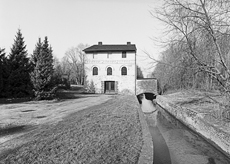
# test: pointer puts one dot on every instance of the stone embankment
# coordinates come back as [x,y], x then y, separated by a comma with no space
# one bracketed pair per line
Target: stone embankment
[194,118]
[147,151]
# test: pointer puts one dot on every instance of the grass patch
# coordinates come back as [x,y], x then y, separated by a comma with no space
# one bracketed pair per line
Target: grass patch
[214,106]
[106,133]
[14,100]
[72,94]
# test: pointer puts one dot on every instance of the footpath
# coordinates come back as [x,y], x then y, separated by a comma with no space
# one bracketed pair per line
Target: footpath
[195,110]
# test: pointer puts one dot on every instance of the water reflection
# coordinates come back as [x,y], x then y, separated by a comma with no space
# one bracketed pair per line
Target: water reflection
[161,151]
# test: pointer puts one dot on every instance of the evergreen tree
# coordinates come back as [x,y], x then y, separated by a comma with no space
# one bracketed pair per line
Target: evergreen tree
[4,74]
[34,60]
[36,53]
[3,69]
[19,68]
[42,74]
[2,54]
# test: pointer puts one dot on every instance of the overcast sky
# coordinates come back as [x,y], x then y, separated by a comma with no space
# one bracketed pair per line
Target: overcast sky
[68,23]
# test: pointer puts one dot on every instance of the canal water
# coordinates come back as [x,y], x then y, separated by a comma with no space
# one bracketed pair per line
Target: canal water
[174,143]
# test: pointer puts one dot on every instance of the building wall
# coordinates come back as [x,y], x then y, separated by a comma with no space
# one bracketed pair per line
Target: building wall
[102,61]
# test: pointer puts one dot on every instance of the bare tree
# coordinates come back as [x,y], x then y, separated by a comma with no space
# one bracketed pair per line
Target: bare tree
[199,28]
[139,73]
[73,64]
[58,71]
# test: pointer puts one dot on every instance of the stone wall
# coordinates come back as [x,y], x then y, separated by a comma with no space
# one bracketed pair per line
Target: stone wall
[194,121]
[147,151]
[147,85]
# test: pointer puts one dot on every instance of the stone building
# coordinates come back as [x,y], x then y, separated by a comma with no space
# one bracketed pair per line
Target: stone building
[111,68]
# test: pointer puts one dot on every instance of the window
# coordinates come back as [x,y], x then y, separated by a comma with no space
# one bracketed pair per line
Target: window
[123,71]
[94,55]
[109,54]
[123,54]
[95,71]
[109,71]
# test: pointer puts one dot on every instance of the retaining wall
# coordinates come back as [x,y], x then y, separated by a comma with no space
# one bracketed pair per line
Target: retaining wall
[193,120]
[147,151]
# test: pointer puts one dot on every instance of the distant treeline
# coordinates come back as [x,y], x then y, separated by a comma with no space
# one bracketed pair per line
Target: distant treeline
[198,45]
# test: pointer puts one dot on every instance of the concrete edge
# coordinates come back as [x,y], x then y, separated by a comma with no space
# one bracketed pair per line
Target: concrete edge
[216,137]
[146,155]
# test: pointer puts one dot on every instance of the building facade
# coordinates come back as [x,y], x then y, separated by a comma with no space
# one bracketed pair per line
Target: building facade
[111,68]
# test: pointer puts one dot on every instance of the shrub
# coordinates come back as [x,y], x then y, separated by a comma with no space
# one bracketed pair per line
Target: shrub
[90,88]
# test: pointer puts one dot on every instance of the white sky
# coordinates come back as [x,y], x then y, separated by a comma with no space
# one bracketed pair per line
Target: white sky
[70,22]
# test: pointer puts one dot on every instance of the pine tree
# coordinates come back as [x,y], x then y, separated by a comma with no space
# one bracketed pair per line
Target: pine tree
[4,74]
[42,74]
[36,53]
[34,60]
[2,54]
[2,71]
[19,69]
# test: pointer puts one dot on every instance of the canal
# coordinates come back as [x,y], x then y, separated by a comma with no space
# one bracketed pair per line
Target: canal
[174,143]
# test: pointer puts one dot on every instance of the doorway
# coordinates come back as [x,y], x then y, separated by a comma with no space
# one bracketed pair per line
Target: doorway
[110,87]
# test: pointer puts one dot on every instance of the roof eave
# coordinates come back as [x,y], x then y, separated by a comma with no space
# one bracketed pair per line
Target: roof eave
[91,51]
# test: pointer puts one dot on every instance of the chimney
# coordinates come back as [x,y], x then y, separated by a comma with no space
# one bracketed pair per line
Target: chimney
[128,43]
[99,43]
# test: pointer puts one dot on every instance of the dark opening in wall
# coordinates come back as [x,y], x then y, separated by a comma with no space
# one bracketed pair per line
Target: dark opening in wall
[148,96]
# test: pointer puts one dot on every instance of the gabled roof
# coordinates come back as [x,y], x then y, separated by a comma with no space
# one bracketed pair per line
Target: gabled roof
[108,48]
